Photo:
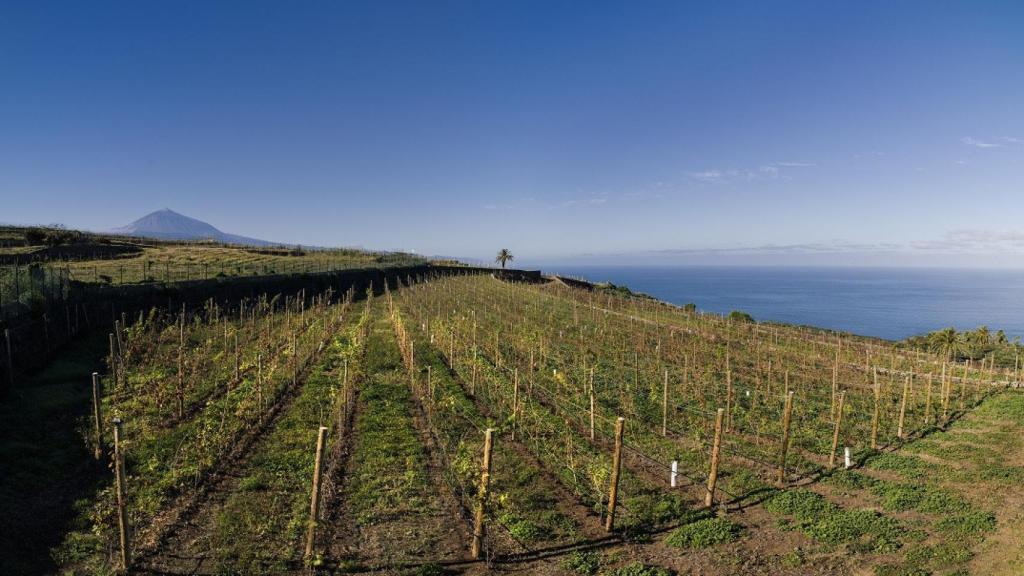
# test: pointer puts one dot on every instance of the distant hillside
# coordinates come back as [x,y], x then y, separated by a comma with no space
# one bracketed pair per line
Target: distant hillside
[169,225]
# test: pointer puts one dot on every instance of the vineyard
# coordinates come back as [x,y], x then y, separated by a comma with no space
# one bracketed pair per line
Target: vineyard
[467,424]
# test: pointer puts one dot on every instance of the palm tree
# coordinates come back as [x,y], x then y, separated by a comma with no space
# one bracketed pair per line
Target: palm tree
[504,256]
[945,341]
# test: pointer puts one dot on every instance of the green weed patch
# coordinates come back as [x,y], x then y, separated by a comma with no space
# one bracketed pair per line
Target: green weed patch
[704,533]
[827,523]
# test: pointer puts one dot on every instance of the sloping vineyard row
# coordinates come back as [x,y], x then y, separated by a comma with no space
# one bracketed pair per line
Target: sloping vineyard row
[181,428]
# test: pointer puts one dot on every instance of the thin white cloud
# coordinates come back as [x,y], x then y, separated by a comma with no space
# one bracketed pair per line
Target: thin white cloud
[980,143]
[770,171]
[707,175]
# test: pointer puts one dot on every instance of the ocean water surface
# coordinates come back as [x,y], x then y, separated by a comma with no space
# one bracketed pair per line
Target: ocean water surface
[884,302]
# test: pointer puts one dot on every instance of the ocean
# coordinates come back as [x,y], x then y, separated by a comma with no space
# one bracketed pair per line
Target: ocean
[888,303]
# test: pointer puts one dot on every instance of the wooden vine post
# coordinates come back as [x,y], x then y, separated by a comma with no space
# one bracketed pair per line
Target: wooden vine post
[716,448]
[787,419]
[592,415]
[903,408]
[515,402]
[314,504]
[874,416]
[945,394]
[664,405]
[928,402]
[835,431]
[113,359]
[10,359]
[122,499]
[728,400]
[259,382]
[613,489]
[430,383]
[835,383]
[97,420]
[479,529]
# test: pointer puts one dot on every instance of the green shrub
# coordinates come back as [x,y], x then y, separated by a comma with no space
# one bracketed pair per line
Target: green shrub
[740,316]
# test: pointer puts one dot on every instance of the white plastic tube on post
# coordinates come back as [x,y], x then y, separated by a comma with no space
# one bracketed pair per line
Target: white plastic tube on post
[675,472]
[846,457]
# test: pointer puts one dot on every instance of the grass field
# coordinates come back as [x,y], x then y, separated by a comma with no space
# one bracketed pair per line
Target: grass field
[221,410]
[110,259]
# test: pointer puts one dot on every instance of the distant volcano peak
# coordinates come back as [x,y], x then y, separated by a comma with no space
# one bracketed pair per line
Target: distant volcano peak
[166,224]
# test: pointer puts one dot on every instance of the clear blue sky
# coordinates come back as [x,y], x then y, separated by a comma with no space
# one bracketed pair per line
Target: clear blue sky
[874,132]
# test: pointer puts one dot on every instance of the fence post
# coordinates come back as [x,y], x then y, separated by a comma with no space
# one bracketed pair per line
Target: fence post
[592,415]
[728,400]
[10,359]
[787,419]
[122,499]
[97,420]
[903,408]
[716,448]
[835,432]
[835,382]
[928,402]
[314,504]
[945,394]
[479,528]
[874,417]
[515,402]
[613,490]
[664,405]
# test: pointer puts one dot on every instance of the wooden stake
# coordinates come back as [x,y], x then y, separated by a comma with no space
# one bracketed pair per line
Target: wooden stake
[479,529]
[515,401]
[613,490]
[430,383]
[664,405]
[314,504]
[113,360]
[945,394]
[963,386]
[874,417]
[787,418]
[10,359]
[716,447]
[835,384]
[259,382]
[728,400]
[903,407]
[122,499]
[835,431]
[928,402]
[592,418]
[97,420]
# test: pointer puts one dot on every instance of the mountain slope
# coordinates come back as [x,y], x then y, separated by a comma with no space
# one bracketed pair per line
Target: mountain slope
[167,224]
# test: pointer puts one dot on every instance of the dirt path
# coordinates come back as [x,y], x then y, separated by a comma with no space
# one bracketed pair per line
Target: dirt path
[391,504]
